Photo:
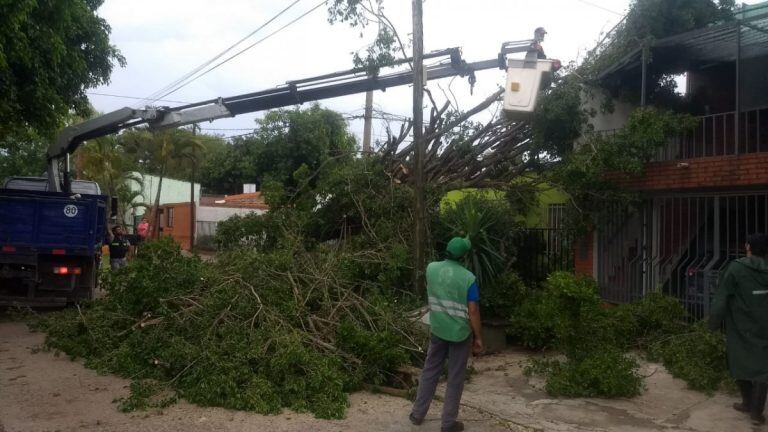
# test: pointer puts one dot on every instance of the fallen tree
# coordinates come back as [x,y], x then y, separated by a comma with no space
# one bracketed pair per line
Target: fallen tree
[260,332]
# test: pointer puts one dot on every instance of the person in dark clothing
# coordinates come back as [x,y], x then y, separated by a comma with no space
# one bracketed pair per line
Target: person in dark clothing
[742,302]
[538,38]
[118,249]
[454,317]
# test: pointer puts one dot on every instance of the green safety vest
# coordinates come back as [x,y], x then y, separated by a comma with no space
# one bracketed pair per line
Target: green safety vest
[447,287]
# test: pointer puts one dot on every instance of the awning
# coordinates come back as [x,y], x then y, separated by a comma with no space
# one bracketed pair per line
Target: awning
[716,43]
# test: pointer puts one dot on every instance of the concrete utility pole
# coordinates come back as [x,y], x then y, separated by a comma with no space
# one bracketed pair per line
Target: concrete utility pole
[192,221]
[418,144]
[368,122]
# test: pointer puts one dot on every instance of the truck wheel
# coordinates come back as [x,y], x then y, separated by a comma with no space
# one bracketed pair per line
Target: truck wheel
[90,281]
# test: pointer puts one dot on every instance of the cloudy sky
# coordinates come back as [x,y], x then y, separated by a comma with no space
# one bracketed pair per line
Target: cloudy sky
[162,40]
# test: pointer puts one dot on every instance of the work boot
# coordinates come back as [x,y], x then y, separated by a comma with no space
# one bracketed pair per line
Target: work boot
[414,420]
[740,407]
[455,427]
[757,419]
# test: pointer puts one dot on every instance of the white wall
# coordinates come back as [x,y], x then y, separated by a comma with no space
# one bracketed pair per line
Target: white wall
[173,191]
[218,214]
[607,121]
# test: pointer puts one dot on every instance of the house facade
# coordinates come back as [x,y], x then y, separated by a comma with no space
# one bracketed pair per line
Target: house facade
[706,191]
[177,219]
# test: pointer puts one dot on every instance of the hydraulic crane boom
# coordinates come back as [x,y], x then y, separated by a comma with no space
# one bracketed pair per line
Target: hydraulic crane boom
[292,93]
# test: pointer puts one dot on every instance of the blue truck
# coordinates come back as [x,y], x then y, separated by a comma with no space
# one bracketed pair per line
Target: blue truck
[50,242]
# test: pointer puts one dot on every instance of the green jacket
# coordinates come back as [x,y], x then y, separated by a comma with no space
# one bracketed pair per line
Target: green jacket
[447,287]
[742,302]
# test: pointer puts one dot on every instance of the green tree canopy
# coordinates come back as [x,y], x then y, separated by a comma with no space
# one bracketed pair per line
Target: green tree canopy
[22,154]
[50,53]
[285,141]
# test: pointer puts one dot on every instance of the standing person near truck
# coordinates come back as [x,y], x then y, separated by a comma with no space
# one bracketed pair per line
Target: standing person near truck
[454,316]
[742,302]
[119,247]
[143,229]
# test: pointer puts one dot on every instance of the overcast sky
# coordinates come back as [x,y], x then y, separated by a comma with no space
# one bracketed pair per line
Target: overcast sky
[164,39]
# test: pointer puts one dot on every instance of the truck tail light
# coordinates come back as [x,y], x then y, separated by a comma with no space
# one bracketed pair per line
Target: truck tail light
[59,252]
[9,249]
[67,270]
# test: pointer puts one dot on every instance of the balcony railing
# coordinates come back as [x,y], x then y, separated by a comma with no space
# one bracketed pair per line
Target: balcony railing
[717,135]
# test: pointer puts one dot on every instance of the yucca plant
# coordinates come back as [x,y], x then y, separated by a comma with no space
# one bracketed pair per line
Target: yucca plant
[488,222]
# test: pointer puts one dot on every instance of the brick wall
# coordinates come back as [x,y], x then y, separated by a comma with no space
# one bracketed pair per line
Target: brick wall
[179,230]
[701,173]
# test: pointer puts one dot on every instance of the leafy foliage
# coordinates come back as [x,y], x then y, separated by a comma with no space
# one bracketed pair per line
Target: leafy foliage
[567,316]
[589,173]
[383,49]
[50,53]
[253,331]
[490,224]
[586,334]
[22,153]
[649,20]
[286,141]
[607,373]
[696,355]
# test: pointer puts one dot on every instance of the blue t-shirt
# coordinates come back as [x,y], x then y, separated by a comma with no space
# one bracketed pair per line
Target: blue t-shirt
[473,295]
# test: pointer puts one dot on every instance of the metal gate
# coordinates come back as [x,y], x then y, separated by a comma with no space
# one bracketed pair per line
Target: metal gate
[541,251]
[677,245]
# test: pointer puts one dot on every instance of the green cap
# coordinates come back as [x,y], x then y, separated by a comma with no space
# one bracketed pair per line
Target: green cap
[458,247]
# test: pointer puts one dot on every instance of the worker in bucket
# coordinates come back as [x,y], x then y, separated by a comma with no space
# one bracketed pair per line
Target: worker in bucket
[742,302]
[538,38]
[454,317]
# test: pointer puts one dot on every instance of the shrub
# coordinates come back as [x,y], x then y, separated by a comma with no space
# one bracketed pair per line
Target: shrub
[696,356]
[532,324]
[605,373]
[503,297]
[657,316]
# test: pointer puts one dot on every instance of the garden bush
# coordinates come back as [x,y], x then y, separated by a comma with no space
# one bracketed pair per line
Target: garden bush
[567,315]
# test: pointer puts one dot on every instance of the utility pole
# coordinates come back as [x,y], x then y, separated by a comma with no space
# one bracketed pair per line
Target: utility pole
[418,145]
[368,122]
[192,220]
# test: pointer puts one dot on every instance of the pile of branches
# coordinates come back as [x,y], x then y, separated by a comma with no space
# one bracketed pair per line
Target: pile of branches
[460,153]
[253,331]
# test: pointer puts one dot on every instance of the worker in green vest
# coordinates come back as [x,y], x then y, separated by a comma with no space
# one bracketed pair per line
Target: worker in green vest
[454,317]
[742,302]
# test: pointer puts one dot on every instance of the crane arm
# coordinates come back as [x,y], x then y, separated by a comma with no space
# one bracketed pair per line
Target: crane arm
[328,86]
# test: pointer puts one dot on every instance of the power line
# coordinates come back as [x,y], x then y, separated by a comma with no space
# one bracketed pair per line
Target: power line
[152,98]
[180,86]
[226,129]
[134,97]
[600,7]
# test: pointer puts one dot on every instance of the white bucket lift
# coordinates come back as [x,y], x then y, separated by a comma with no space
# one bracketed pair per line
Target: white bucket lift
[525,79]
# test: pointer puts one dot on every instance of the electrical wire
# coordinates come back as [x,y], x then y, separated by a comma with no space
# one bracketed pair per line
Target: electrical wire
[154,96]
[182,85]
[600,7]
[134,97]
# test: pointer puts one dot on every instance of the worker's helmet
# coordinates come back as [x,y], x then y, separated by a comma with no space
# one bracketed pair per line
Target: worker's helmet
[458,247]
[539,33]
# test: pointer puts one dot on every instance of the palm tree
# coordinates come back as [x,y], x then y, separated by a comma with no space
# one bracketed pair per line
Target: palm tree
[171,147]
[103,160]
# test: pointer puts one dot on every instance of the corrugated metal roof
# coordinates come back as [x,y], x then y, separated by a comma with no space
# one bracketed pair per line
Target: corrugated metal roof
[716,43]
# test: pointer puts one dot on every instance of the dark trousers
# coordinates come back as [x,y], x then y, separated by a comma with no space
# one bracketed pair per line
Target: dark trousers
[457,354]
[753,395]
